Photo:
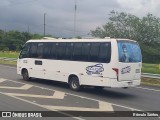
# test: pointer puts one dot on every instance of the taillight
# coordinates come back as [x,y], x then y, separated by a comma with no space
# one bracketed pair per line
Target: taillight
[116,70]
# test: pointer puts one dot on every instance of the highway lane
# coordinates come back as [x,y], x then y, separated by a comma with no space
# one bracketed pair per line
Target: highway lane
[142,98]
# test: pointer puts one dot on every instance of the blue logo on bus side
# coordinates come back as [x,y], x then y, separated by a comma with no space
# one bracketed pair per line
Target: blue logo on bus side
[95,69]
[126,70]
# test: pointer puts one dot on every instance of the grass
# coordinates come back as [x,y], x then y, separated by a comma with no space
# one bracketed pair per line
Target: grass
[150,81]
[13,63]
[9,54]
[151,68]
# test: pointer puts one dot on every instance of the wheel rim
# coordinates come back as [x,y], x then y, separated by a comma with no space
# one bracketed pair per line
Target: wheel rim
[74,84]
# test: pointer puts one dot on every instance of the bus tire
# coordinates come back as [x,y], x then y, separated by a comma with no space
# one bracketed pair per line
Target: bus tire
[25,75]
[74,83]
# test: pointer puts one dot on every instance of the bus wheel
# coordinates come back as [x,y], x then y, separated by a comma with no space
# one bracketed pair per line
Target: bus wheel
[74,83]
[25,75]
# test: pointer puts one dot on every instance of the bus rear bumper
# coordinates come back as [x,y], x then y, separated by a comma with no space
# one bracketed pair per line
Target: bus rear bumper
[123,84]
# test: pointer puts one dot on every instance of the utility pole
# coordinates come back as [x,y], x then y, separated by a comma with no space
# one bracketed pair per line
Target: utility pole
[28,28]
[75,15]
[44,24]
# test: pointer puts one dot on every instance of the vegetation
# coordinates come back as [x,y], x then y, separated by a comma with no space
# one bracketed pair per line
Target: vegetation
[9,54]
[145,30]
[14,40]
[151,68]
[13,63]
[150,81]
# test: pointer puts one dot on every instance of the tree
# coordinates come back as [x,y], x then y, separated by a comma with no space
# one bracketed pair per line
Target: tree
[145,30]
[13,40]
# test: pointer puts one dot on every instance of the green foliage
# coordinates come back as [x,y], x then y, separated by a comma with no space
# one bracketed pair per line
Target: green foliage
[79,37]
[150,81]
[13,40]
[145,30]
[37,36]
[9,54]
[151,68]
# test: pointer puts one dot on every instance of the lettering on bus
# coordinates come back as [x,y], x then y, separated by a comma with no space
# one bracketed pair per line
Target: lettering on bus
[95,69]
[126,70]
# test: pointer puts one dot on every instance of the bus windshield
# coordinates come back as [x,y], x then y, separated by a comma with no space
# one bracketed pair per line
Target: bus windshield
[129,51]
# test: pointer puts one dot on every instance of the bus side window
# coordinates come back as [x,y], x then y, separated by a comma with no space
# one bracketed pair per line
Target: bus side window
[40,50]
[61,51]
[69,51]
[53,52]
[77,51]
[47,51]
[85,51]
[105,52]
[94,52]
[25,51]
[33,50]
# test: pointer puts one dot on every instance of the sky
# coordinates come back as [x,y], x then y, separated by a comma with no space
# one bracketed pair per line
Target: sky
[24,15]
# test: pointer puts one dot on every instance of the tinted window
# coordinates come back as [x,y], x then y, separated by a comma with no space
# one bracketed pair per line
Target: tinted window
[105,52]
[61,50]
[53,52]
[40,50]
[91,52]
[25,51]
[47,51]
[69,51]
[85,51]
[94,52]
[77,51]
[33,50]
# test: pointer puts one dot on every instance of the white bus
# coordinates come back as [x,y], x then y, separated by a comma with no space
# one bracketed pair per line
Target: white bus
[79,62]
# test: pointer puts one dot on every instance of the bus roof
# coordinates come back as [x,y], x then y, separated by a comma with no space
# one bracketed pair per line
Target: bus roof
[77,40]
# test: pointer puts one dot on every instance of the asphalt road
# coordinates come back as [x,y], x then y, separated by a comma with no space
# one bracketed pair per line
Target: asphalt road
[45,95]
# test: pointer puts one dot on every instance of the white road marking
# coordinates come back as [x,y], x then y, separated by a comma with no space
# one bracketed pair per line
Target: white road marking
[24,87]
[78,118]
[130,108]
[148,89]
[58,95]
[55,96]
[2,80]
[103,106]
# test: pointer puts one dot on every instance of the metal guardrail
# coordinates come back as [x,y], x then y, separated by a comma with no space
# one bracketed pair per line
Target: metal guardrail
[148,75]
[8,59]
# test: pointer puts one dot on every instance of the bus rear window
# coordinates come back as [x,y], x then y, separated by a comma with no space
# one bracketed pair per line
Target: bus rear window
[129,51]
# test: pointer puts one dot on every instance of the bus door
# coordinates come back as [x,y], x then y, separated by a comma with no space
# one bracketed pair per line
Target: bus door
[50,62]
[37,66]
